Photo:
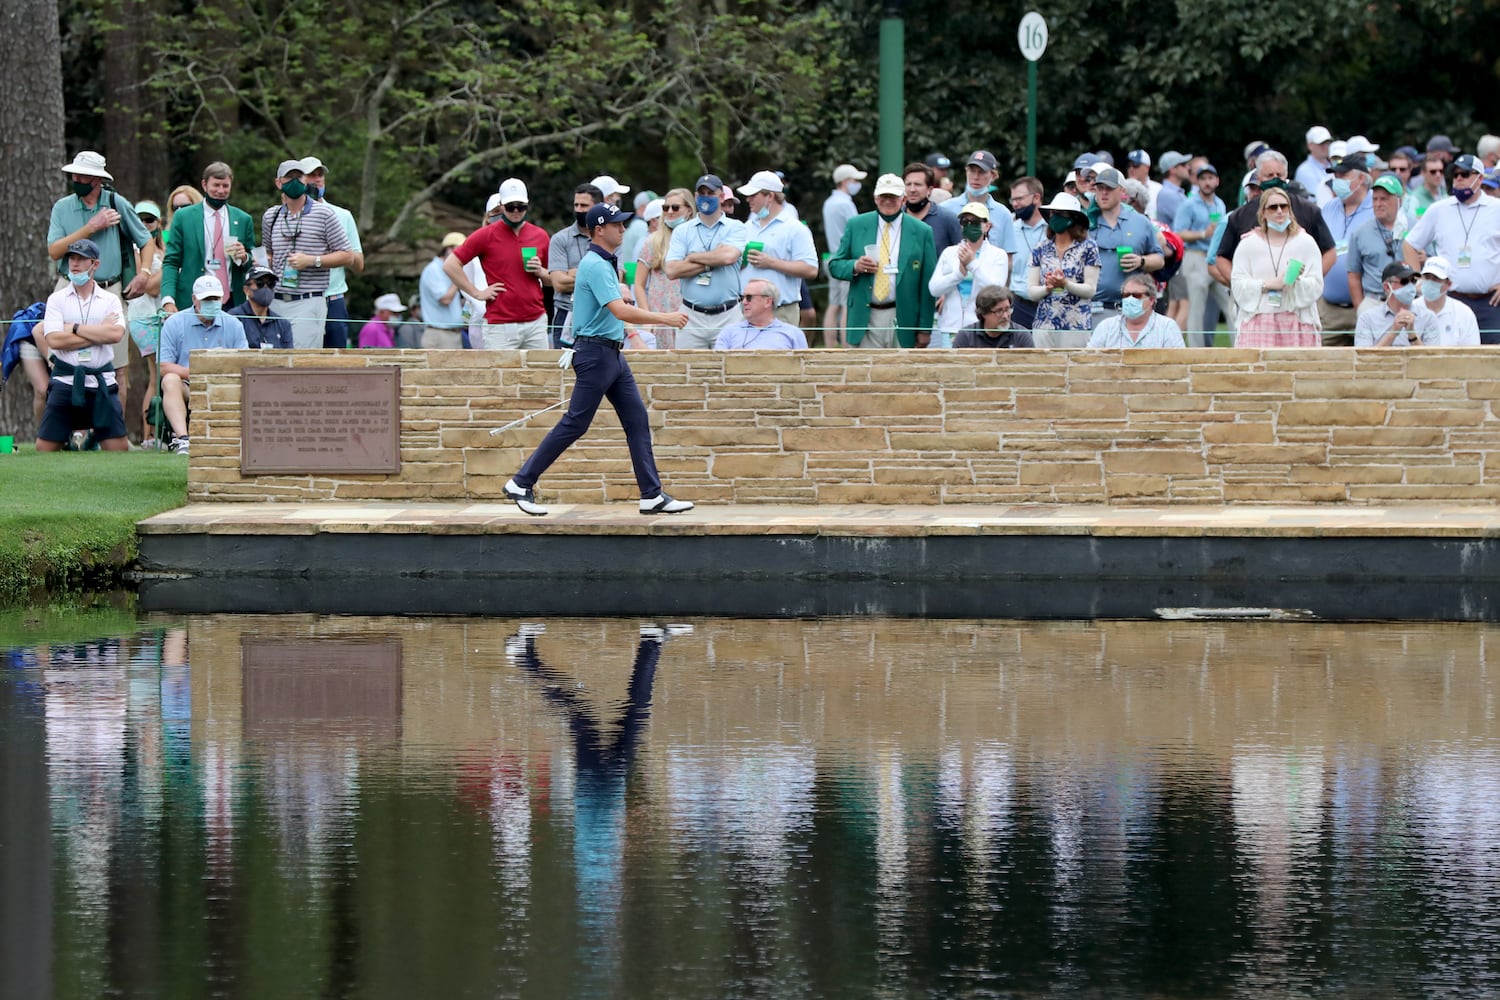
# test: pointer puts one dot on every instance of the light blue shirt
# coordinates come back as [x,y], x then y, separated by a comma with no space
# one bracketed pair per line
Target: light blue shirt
[1194,216]
[597,285]
[1002,223]
[1311,174]
[784,239]
[1168,202]
[777,336]
[1029,237]
[1159,332]
[636,231]
[1342,226]
[338,283]
[1132,230]
[183,333]
[838,209]
[723,283]
[433,286]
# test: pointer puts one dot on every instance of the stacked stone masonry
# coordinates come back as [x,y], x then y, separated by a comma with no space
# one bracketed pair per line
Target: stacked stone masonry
[1204,426]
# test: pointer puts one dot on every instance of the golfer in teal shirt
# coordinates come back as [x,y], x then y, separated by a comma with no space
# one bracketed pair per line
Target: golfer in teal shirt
[600,313]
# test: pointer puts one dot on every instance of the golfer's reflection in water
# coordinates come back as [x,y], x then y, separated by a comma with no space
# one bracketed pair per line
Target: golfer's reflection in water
[603,760]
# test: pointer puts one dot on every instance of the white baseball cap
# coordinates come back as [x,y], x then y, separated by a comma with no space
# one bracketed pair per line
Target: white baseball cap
[1437,267]
[1359,144]
[890,184]
[609,185]
[494,202]
[653,209]
[311,163]
[512,190]
[846,172]
[1318,135]
[287,166]
[391,301]
[763,180]
[207,287]
[89,164]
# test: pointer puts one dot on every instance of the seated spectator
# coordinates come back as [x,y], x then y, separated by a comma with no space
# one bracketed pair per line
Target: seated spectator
[206,327]
[993,307]
[263,327]
[81,327]
[760,330]
[379,332]
[1139,324]
[1392,318]
[1443,321]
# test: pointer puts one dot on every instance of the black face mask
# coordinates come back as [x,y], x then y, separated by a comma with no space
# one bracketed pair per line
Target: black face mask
[918,206]
[1025,214]
[215,203]
[579,218]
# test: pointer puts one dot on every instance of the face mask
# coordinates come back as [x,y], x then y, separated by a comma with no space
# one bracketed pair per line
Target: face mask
[516,224]
[707,204]
[1342,188]
[888,218]
[209,308]
[763,213]
[579,217]
[918,206]
[315,193]
[80,278]
[976,193]
[1464,194]
[1272,184]
[853,188]
[1059,224]
[215,203]
[1432,290]
[973,232]
[1132,308]
[293,189]
[82,190]
[1405,294]
[1025,214]
[674,223]
[1279,225]
[263,297]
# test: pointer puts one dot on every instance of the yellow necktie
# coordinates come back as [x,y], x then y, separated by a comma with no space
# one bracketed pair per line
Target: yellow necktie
[883,280]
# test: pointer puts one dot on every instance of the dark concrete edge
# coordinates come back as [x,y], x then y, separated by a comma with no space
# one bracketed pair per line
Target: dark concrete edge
[1023,576]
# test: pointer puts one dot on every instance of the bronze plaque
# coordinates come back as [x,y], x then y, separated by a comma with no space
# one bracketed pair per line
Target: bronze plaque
[320,420]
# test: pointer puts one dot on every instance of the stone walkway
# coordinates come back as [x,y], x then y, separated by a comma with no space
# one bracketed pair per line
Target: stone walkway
[1415,520]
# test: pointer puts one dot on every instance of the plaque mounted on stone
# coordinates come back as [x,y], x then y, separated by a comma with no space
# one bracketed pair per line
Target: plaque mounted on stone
[324,421]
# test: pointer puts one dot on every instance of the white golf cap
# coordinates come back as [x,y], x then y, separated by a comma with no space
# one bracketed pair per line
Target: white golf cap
[846,172]
[609,185]
[311,163]
[890,184]
[652,209]
[287,166]
[391,301]
[1338,149]
[512,190]
[1436,267]
[1359,144]
[207,287]
[762,180]
[494,202]
[88,163]
[1318,135]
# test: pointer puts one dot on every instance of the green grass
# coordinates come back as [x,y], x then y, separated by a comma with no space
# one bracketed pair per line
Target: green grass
[68,520]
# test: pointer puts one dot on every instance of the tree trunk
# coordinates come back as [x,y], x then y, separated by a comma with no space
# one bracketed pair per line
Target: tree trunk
[31,120]
[137,156]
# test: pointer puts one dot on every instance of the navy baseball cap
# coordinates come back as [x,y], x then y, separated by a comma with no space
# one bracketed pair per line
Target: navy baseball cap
[1469,162]
[709,181]
[603,214]
[939,161]
[1084,161]
[87,249]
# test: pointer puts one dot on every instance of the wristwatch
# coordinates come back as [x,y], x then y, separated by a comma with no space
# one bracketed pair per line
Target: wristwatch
[318,260]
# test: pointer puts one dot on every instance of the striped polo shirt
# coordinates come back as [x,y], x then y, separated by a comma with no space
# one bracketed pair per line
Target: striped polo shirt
[317,230]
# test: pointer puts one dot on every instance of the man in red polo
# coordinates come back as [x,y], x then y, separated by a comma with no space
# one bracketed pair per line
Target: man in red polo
[513,254]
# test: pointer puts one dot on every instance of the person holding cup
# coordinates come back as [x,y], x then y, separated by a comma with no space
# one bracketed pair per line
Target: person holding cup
[778,248]
[208,237]
[1126,239]
[1277,279]
[1198,218]
[513,253]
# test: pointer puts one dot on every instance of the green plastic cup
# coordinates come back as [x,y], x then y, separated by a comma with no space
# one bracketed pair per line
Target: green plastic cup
[1215,216]
[630,272]
[752,248]
[527,253]
[7,444]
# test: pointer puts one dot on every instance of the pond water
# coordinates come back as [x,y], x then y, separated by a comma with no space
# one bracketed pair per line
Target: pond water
[299,806]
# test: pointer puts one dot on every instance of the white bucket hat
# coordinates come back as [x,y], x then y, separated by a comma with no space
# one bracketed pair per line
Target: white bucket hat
[88,163]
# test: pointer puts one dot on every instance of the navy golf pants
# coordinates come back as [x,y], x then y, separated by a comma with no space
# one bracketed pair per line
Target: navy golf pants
[601,373]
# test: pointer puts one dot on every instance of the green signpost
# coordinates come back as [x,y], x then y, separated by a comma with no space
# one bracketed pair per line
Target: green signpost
[1032,36]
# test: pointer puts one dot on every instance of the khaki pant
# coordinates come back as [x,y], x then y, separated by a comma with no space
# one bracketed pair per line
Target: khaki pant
[880,332]
[1200,285]
[530,336]
[308,317]
[437,339]
[701,331]
[1338,324]
[790,314]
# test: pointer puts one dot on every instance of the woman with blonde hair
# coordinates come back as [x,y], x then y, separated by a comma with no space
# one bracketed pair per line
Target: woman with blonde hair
[654,291]
[1277,278]
[181,197]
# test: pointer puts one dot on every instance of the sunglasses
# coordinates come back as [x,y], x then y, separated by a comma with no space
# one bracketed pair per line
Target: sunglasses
[1408,281]
[674,208]
[263,283]
[753,295]
[1280,206]
[148,219]
[1145,296]
[517,206]
[1460,175]
[177,207]
[1434,172]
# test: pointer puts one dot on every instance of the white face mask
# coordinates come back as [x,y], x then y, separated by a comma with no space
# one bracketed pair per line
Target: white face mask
[852,188]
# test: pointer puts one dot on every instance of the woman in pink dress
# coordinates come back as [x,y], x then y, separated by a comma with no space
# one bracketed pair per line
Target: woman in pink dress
[1277,279]
[655,291]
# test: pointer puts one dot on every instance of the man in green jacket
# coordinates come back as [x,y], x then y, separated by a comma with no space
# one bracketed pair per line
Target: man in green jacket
[210,237]
[888,258]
